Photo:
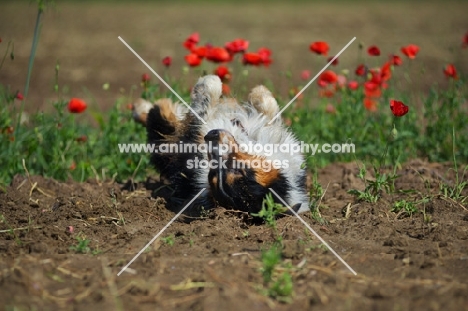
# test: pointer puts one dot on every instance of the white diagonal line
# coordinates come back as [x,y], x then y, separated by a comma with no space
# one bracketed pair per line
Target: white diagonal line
[162,230]
[313,231]
[161,79]
[313,79]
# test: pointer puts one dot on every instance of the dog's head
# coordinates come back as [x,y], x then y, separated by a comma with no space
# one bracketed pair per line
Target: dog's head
[240,180]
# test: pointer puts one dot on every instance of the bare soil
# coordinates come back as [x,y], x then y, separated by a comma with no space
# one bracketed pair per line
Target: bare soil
[402,262]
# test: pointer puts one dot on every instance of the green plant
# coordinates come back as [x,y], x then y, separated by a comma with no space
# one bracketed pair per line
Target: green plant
[455,191]
[82,246]
[169,240]
[374,187]
[270,259]
[425,199]
[281,286]
[57,145]
[405,207]
[316,195]
[270,210]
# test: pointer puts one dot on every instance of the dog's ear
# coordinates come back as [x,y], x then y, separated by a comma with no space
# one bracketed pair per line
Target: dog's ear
[262,100]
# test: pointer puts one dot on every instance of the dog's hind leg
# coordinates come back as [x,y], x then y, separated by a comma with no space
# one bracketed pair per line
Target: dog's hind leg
[262,100]
[206,92]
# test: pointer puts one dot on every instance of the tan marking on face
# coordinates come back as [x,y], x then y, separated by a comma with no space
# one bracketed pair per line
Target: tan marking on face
[214,181]
[262,176]
[231,178]
[226,138]
[266,178]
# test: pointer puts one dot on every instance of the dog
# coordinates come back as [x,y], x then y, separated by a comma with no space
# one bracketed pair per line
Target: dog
[234,166]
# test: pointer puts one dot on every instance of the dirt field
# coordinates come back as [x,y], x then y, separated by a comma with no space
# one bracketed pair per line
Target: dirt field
[403,263]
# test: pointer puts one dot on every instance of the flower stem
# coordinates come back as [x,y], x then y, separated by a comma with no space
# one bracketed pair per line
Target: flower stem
[32,55]
[6,52]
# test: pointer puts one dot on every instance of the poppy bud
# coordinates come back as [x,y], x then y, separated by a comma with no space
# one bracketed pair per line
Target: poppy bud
[394,132]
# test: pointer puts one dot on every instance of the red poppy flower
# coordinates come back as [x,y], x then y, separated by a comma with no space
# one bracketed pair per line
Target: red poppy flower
[252,59]
[265,54]
[353,85]
[386,71]
[167,61]
[410,51]
[398,108]
[450,71]
[361,70]
[72,166]
[370,104]
[237,46]
[218,55]
[19,95]
[465,40]
[191,41]
[322,83]
[335,62]
[261,57]
[373,51]
[145,77]
[319,47]
[193,60]
[76,105]
[396,60]
[223,73]
[305,75]
[375,76]
[200,51]
[328,77]
[372,89]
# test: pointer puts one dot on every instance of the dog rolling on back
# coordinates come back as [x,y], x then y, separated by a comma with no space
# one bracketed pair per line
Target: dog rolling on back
[235,176]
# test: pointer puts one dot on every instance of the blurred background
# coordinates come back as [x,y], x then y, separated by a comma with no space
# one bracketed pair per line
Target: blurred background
[82,37]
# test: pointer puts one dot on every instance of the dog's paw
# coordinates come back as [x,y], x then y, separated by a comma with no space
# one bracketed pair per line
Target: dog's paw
[140,110]
[206,93]
[262,100]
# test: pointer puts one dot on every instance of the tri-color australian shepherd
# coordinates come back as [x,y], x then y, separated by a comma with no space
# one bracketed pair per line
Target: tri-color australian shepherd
[225,146]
